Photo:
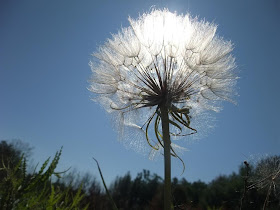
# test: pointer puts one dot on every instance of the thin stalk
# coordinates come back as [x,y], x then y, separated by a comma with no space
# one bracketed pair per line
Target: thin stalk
[267,197]
[114,207]
[245,185]
[167,158]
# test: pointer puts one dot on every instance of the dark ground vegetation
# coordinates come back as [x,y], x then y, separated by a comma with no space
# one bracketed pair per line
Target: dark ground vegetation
[253,187]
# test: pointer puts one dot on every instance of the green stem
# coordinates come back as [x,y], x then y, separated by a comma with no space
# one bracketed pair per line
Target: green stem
[167,158]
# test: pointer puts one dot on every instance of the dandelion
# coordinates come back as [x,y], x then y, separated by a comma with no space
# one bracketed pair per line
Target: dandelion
[267,177]
[159,74]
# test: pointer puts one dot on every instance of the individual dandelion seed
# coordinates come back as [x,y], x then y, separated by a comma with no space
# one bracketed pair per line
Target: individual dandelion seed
[160,74]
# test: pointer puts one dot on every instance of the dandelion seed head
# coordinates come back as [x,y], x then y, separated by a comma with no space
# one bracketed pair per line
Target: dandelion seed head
[163,59]
[267,173]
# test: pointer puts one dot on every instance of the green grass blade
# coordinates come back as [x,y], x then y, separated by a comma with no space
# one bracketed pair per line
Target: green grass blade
[104,184]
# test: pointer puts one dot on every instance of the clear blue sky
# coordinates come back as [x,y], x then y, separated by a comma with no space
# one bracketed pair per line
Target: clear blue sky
[45,48]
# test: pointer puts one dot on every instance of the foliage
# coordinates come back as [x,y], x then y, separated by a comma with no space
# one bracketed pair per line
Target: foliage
[144,192]
[21,190]
[224,192]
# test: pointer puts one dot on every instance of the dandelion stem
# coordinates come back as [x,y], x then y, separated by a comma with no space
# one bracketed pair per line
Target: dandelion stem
[167,158]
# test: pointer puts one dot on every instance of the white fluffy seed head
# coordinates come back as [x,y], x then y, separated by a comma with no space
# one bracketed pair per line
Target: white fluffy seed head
[163,58]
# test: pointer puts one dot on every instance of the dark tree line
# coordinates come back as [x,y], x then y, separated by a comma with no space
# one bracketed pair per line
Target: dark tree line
[253,187]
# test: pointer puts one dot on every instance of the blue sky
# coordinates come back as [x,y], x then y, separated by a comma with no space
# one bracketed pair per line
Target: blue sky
[45,48]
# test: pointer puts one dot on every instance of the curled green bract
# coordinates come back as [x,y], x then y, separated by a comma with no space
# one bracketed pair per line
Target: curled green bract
[178,118]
